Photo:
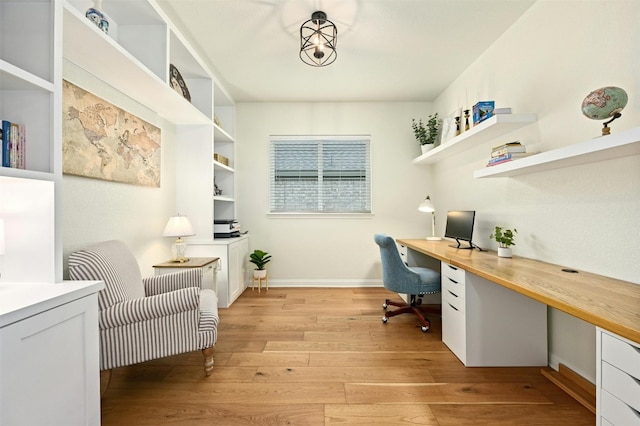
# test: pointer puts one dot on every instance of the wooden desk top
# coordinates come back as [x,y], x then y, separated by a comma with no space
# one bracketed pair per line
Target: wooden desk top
[605,302]
[193,262]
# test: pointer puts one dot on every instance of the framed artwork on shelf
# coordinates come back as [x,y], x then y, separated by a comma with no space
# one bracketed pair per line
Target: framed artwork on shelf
[449,125]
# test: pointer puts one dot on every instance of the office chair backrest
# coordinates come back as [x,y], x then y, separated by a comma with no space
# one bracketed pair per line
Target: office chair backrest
[396,276]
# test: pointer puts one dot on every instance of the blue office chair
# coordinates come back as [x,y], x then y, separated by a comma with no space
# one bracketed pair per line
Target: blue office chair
[411,280]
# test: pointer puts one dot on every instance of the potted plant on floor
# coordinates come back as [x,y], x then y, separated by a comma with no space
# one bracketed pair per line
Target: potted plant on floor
[505,238]
[426,135]
[260,259]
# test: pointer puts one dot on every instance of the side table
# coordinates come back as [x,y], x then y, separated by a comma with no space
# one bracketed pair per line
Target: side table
[208,266]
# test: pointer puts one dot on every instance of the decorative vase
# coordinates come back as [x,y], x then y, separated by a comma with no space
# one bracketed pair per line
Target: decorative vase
[98,17]
[259,273]
[504,252]
[426,147]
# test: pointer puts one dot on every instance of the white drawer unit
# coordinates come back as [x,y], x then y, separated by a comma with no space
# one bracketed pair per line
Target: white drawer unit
[618,380]
[473,325]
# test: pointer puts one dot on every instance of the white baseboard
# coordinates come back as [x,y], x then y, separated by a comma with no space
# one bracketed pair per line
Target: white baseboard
[324,283]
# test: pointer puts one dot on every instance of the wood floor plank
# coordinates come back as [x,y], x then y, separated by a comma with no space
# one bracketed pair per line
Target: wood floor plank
[375,414]
[314,356]
[342,375]
[447,393]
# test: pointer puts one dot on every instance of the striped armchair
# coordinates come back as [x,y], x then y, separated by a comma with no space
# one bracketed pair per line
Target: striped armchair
[146,318]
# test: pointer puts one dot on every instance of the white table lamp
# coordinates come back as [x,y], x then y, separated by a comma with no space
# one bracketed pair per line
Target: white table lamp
[178,226]
[427,207]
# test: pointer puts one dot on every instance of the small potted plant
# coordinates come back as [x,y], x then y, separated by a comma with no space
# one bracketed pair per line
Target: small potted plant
[427,134]
[505,238]
[260,259]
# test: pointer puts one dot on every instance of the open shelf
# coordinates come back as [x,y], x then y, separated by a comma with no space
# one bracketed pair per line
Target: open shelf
[89,48]
[602,148]
[489,129]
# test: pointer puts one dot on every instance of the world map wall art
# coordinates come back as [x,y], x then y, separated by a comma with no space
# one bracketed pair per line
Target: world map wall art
[102,141]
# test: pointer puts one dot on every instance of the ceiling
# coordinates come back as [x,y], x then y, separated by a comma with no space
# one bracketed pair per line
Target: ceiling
[388,50]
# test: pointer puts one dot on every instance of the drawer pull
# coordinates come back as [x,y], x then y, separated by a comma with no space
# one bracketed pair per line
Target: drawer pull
[453,281]
[452,293]
[452,307]
[452,267]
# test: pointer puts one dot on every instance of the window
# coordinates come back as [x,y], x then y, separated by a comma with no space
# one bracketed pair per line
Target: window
[320,175]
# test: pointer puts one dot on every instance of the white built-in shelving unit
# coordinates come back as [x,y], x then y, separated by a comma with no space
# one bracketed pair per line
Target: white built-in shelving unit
[489,129]
[30,94]
[602,148]
[134,58]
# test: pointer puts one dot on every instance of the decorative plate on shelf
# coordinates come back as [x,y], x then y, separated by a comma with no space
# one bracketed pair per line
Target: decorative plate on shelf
[177,83]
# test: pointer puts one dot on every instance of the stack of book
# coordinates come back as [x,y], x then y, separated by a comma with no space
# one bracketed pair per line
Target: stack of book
[507,152]
[12,145]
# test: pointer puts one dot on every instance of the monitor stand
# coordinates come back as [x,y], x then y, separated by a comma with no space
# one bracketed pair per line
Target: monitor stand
[471,246]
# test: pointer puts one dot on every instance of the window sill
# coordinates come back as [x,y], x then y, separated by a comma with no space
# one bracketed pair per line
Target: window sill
[320,215]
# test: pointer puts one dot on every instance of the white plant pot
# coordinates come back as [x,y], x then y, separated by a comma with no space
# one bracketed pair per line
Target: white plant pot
[504,252]
[426,147]
[259,273]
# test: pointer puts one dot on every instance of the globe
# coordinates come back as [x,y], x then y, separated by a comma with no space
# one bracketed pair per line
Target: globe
[604,103]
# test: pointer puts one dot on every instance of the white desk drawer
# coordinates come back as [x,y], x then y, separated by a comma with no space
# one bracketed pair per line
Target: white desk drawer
[617,412]
[621,354]
[454,286]
[452,272]
[621,385]
[456,301]
[454,330]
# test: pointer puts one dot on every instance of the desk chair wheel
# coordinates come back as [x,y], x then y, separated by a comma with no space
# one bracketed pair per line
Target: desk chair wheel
[385,306]
[385,319]
[424,329]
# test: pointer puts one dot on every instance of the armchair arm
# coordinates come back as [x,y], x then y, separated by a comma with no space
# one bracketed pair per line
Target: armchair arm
[164,283]
[145,308]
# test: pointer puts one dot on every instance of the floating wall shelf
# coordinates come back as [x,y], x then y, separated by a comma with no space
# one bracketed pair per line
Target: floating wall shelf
[489,129]
[602,148]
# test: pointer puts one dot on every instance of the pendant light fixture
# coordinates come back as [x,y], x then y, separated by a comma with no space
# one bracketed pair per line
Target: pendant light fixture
[318,37]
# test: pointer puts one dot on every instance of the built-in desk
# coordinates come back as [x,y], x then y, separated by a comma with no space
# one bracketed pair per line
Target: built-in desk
[611,305]
[608,303]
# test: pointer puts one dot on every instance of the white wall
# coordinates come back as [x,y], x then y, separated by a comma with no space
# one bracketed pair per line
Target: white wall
[331,251]
[96,210]
[585,217]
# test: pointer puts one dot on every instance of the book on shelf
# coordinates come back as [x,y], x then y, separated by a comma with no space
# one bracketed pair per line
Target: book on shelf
[13,145]
[508,148]
[507,157]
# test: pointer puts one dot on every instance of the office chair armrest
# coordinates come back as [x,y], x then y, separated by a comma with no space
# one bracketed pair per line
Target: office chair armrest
[173,281]
[146,308]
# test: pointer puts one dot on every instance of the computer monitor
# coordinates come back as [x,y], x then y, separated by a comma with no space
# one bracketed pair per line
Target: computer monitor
[460,226]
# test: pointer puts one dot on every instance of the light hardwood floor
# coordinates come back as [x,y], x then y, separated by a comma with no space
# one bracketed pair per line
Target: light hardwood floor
[323,357]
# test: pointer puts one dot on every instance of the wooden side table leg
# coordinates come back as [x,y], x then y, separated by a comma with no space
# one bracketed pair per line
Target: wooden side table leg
[266,281]
[253,280]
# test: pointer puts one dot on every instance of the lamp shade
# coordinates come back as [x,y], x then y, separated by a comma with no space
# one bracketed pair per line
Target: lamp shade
[427,206]
[178,226]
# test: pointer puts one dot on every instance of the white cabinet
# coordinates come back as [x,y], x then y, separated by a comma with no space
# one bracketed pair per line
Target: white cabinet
[30,94]
[232,275]
[617,380]
[49,362]
[474,326]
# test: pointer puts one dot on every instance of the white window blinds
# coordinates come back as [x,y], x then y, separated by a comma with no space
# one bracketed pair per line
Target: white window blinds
[320,175]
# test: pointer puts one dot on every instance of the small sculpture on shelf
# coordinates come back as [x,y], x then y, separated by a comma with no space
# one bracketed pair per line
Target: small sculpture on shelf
[458,125]
[96,15]
[216,190]
[466,120]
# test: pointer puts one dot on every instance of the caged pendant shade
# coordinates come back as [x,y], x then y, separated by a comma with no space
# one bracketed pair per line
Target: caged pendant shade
[318,37]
